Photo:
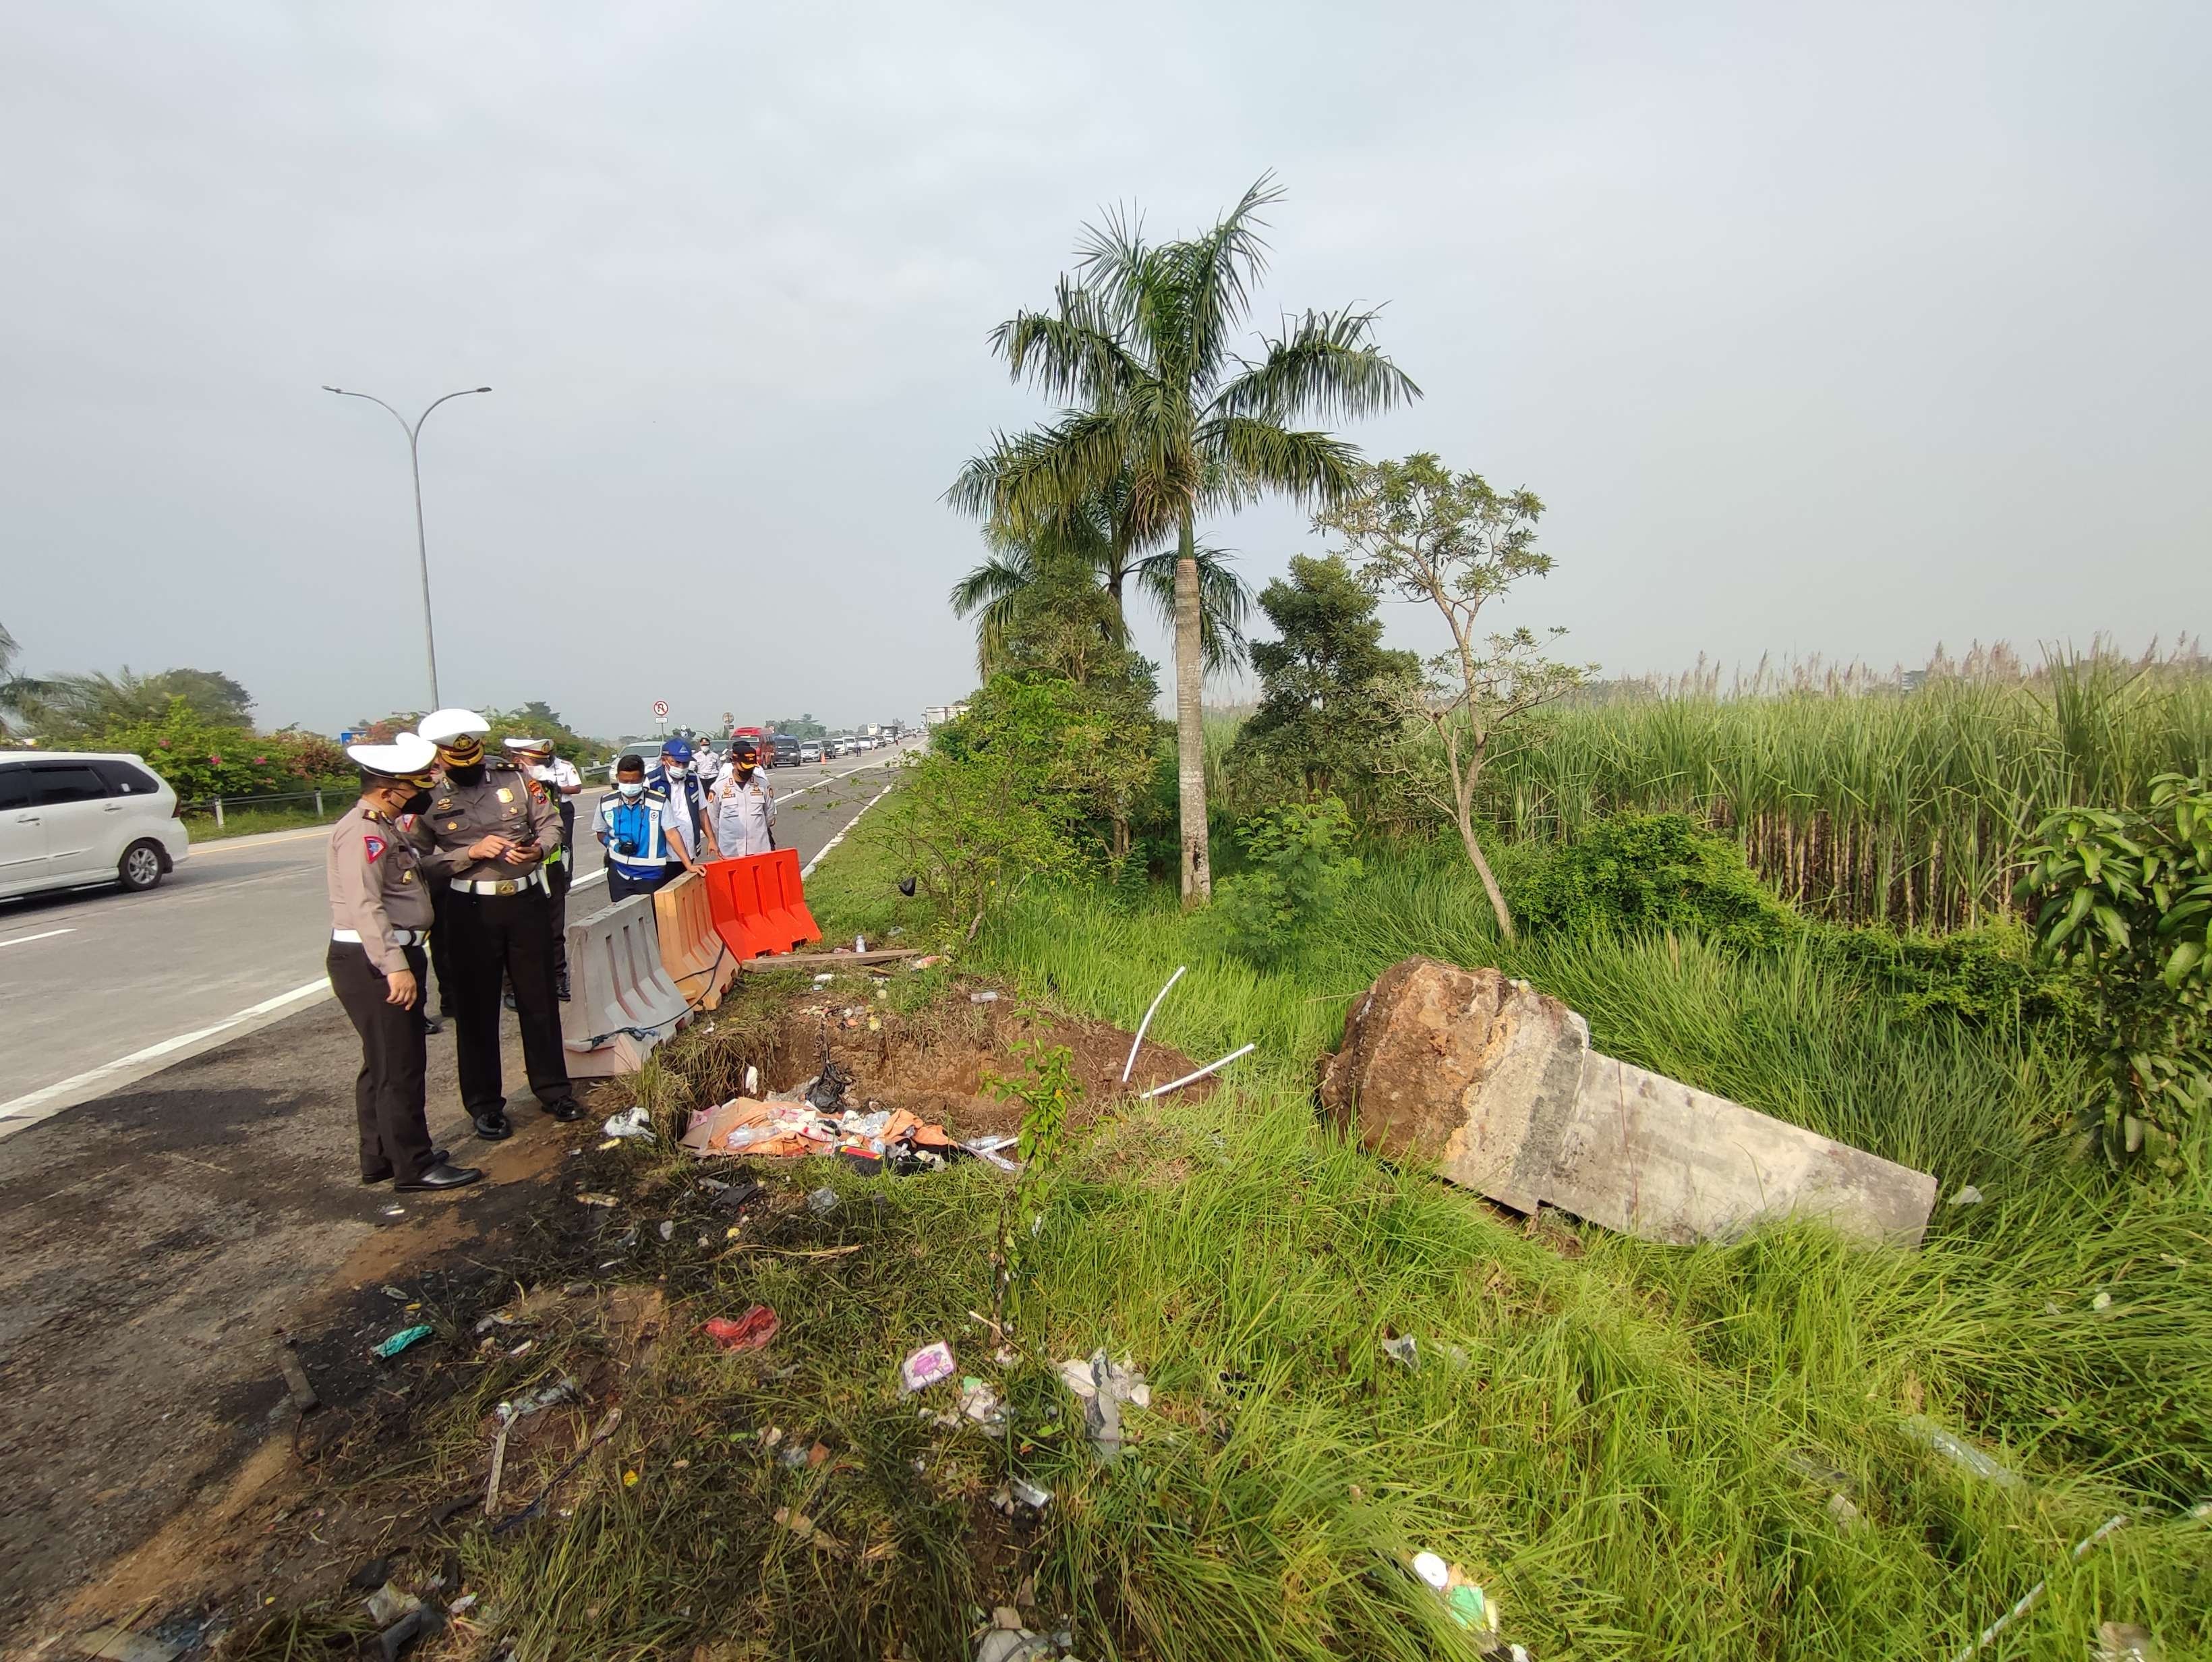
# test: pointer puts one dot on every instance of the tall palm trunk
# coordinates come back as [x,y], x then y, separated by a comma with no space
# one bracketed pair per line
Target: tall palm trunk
[1190,728]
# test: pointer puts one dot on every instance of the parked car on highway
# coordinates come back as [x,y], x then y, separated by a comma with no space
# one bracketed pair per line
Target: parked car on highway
[71,817]
[649,753]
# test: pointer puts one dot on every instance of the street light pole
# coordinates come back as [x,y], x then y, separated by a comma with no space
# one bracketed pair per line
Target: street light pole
[422,543]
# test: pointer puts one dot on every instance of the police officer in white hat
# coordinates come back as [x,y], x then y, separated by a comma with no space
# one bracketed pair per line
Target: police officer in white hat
[490,827]
[379,918]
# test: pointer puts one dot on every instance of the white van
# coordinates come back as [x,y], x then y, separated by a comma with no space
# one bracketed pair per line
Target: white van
[68,818]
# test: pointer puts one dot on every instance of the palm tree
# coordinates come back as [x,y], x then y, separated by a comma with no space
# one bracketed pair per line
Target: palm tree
[1138,343]
[18,692]
[1088,536]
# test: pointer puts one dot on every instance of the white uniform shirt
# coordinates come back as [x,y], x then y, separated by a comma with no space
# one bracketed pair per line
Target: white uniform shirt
[561,774]
[744,815]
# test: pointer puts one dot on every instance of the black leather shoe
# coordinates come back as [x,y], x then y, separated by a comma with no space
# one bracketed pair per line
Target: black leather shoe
[561,987]
[369,1180]
[492,1127]
[431,1025]
[567,1112]
[439,1156]
[442,1176]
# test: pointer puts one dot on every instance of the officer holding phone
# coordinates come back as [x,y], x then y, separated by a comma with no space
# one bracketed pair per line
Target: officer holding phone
[489,829]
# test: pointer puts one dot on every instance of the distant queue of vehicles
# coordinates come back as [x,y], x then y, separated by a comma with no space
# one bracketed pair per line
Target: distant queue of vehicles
[776,750]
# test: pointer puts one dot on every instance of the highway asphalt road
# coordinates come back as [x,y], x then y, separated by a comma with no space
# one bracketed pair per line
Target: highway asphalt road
[99,988]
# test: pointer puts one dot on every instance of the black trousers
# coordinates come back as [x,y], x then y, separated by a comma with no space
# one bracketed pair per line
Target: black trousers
[387,1096]
[560,878]
[442,950]
[495,938]
[621,885]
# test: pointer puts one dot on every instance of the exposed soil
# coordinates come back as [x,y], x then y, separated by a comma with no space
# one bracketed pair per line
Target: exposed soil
[169,1487]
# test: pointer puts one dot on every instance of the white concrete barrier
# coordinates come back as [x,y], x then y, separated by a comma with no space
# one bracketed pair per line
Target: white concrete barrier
[621,1003]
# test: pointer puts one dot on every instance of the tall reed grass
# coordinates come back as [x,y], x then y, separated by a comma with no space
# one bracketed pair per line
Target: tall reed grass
[1860,801]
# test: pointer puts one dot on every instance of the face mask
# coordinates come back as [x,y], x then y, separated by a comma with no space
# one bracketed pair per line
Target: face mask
[674,769]
[632,788]
[418,803]
[471,774]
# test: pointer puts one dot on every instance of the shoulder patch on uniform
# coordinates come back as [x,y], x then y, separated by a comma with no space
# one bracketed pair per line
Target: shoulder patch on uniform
[373,844]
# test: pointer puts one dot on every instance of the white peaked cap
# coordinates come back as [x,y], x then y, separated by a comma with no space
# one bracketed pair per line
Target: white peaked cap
[529,744]
[409,753]
[440,725]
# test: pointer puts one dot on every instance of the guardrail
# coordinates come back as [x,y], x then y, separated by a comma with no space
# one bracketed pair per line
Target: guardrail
[329,800]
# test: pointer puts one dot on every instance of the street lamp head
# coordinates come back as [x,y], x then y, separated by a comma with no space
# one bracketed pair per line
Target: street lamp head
[483,389]
[334,389]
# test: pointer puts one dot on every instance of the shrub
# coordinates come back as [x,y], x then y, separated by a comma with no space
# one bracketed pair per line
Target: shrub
[201,759]
[1651,873]
[1300,861]
[2125,899]
[1978,975]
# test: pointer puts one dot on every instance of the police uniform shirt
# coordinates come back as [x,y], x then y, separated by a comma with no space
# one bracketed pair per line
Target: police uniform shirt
[506,802]
[376,885]
[557,775]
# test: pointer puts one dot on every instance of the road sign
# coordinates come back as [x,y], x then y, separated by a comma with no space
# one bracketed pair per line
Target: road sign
[660,709]
[346,736]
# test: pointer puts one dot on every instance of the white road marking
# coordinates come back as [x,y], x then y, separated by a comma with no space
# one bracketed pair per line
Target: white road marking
[46,1103]
[807,870]
[49,934]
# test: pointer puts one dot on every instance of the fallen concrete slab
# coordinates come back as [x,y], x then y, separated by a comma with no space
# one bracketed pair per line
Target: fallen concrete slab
[1494,1084]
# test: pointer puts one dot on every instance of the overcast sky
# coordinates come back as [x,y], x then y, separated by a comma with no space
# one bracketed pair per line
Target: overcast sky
[1840,329]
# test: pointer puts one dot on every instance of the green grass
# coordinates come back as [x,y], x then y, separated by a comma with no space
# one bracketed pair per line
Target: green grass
[1610,1458]
[249,822]
[1611,1437]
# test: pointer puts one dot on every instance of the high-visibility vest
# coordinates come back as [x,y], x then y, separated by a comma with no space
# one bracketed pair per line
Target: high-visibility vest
[638,822]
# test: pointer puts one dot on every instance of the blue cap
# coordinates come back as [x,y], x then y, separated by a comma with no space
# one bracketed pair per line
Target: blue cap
[677,749]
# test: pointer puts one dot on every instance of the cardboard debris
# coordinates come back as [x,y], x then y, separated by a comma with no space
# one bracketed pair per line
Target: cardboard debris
[791,1130]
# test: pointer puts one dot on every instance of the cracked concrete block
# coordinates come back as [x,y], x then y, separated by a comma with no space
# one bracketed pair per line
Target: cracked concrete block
[1494,1085]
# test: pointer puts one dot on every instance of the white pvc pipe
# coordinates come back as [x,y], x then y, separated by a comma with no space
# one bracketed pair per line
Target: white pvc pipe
[1177,1085]
[1149,1013]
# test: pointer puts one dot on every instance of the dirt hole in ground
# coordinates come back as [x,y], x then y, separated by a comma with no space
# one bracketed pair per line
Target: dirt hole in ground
[935,1062]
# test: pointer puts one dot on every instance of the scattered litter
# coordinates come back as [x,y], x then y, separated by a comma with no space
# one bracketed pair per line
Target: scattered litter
[981,1404]
[1470,1604]
[927,1366]
[420,1623]
[986,1149]
[590,1199]
[497,1318]
[825,977]
[1020,1491]
[390,1602]
[1102,1386]
[821,1200]
[398,1342]
[1923,1430]
[929,963]
[1843,1512]
[544,1397]
[1008,1640]
[392,1211]
[752,1079]
[2126,1641]
[462,1606]
[1968,1196]
[751,1331]
[2034,1594]
[668,1229]
[611,1142]
[398,1295]
[520,1350]
[371,1575]
[988,995]
[630,1479]
[806,1528]
[1404,1349]
[826,1091]
[733,1196]
[789,1129]
[792,1457]
[634,1123]
[301,1393]
[2101,1303]
[506,1417]
[606,1430]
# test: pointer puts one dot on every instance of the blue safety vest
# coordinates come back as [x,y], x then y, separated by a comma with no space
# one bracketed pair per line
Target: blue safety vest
[637,822]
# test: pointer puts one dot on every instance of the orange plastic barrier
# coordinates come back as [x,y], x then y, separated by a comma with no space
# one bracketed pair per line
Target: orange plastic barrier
[758,903]
[690,951]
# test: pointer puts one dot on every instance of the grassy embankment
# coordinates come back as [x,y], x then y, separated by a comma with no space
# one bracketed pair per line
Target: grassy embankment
[1629,1454]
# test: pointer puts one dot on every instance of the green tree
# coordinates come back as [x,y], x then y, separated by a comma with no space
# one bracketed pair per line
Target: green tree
[1098,535]
[2125,898]
[19,693]
[1332,700]
[1141,342]
[1416,529]
[80,706]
